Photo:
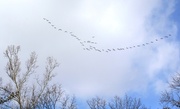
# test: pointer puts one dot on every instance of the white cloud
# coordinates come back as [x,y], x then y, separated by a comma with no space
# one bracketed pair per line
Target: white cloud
[160,86]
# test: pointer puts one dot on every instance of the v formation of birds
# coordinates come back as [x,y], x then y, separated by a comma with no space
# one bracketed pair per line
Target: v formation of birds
[91,45]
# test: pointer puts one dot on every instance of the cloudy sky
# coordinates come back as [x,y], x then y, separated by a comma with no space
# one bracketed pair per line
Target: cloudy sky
[104,47]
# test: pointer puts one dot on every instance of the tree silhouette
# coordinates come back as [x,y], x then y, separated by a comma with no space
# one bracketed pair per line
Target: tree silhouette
[171,97]
[116,103]
[39,94]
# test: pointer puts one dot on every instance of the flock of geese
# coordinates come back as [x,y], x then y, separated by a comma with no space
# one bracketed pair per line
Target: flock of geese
[90,45]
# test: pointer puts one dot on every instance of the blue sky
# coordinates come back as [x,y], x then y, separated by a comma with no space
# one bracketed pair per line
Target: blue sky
[106,25]
[175,16]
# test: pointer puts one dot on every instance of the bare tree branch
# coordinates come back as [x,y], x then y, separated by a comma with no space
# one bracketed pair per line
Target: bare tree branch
[171,98]
[40,95]
[97,103]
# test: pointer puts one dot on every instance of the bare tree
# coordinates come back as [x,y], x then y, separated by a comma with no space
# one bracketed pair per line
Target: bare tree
[50,98]
[41,95]
[116,103]
[54,97]
[171,98]
[68,103]
[97,103]
[126,103]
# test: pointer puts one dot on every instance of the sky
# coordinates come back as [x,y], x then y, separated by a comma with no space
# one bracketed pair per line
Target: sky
[104,47]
